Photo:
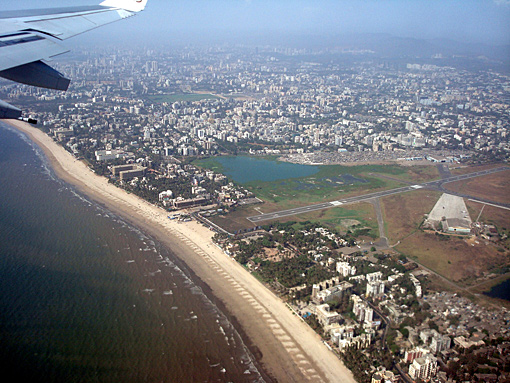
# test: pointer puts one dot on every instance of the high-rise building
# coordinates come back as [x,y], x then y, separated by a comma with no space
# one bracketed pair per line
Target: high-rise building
[375,289]
[423,368]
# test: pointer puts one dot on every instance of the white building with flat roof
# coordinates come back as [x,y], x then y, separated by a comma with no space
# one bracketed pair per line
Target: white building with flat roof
[423,368]
[344,269]
[326,317]
[375,289]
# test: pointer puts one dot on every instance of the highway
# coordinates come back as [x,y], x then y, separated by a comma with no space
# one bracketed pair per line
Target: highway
[434,185]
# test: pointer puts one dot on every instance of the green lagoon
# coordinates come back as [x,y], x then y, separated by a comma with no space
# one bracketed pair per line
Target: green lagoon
[244,169]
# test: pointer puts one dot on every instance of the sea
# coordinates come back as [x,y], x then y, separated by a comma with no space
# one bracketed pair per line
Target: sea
[87,297]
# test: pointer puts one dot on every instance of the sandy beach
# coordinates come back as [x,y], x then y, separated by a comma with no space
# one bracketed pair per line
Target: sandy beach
[288,349]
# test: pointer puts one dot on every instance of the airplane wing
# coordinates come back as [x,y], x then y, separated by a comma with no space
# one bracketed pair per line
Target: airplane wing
[31,37]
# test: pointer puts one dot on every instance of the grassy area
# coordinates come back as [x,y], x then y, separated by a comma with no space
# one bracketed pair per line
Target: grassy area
[465,169]
[418,173]
[170,98]
[236,220]
[357,217]
[360,217]
[332,182]
[209,163]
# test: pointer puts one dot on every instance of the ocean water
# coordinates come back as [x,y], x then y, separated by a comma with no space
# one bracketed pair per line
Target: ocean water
[86,297]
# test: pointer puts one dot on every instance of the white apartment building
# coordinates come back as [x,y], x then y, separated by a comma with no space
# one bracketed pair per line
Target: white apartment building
[344,269]
[423,368]
[375,289]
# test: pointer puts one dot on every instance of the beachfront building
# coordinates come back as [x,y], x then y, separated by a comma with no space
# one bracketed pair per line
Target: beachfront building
[384,376]
[325,316]
[165,197]
[108,155]
[328,294]
[359,342]
[134,171]
[339,332]
[181,203]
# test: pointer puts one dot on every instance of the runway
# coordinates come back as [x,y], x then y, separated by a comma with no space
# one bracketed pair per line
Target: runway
[435,185]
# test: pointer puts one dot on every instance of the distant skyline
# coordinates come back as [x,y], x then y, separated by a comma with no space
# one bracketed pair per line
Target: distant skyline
[475,21]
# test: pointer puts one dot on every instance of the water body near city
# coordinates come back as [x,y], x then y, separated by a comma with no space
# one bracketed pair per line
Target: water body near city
[501,291]
[244,169]
[86,297]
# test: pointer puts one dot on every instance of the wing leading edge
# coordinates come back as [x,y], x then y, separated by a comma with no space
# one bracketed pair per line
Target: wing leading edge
[28,38]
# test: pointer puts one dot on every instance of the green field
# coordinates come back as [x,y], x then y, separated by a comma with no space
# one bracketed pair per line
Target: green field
[359,219]
[330,183]
[209,163]
[170,98]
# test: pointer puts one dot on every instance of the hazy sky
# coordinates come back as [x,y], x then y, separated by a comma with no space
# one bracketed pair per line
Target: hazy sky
[465,20]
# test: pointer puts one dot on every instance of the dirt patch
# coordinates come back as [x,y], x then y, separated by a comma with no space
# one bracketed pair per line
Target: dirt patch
[347,223]
[463,169]
[403,213]
[452,257]
[491,215]
[493,187]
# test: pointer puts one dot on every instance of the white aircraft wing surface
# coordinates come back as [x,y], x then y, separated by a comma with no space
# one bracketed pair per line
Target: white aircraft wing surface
[29,38]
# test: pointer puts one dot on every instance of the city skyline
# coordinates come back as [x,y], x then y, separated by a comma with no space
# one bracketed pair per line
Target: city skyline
[464,21]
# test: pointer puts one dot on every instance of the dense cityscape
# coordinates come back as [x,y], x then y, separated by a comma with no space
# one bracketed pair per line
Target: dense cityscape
[141,117]
[272,100]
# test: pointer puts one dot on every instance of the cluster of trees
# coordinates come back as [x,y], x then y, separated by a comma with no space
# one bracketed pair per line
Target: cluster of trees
[291,271]
[359,364]
[294,271]
[342,305]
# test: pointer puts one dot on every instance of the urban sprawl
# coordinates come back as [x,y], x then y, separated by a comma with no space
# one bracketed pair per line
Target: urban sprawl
[141,117]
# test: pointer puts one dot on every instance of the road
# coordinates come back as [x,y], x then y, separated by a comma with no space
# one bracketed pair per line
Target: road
[382,243]
[434,185]
[444,170]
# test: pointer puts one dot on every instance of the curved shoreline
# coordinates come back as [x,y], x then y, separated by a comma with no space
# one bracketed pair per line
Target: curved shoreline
[288,349]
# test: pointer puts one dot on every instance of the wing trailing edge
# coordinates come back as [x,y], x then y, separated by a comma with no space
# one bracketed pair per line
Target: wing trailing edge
[37,74]
[28,38]
[9,111]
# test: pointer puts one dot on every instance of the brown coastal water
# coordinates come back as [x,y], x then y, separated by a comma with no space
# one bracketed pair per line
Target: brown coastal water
[87,297]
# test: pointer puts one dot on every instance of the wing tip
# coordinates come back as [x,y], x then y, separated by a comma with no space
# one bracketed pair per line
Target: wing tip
[129,5]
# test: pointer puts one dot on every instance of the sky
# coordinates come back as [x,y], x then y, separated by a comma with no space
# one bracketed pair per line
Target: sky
[479,21]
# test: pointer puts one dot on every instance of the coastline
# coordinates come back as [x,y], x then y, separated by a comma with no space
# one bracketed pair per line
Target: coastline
[287,348]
